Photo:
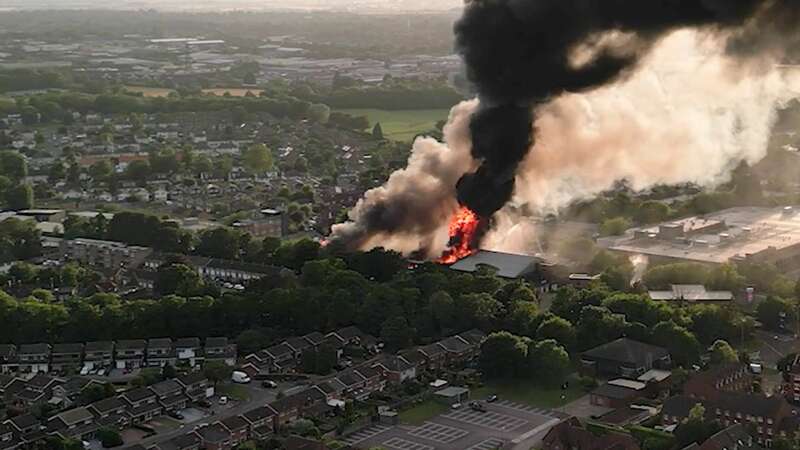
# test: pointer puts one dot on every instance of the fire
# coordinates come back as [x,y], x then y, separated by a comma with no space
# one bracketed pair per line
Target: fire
[463,228]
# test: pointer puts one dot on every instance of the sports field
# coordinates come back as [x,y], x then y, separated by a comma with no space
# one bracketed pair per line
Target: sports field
[401,125]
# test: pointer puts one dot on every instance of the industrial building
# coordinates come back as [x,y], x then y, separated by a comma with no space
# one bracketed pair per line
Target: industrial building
[745,234]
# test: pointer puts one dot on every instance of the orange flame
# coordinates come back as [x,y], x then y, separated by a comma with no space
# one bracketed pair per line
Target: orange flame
[462,230]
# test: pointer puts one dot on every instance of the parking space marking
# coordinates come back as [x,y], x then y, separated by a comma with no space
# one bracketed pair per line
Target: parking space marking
[366,433]
[487,419]
[528,409]
[488,444]
[403,444]
[438,433]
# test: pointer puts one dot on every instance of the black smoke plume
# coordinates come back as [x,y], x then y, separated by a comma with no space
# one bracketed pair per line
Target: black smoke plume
[520,53]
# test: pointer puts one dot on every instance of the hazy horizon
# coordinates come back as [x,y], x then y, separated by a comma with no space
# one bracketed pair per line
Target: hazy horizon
[228,5]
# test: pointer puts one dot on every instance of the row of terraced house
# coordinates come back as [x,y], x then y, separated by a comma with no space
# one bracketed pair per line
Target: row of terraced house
[123,354]
[133,407]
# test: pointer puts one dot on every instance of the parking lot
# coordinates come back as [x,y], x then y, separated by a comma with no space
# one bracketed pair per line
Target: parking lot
[461,429]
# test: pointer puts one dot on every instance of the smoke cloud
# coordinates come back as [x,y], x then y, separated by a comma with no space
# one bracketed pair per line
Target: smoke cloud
[575,95]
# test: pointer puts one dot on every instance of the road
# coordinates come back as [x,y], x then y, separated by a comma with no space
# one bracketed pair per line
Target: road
[258,397]
[772,349]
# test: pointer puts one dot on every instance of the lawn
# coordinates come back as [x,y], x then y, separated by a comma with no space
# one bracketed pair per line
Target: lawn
[401,125]
[150,91]
[530,394]
[234,92]
[233,391]
[422,412]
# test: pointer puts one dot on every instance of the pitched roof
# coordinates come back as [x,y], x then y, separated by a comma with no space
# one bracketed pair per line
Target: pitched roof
[131,344]
[99,346]
[314,338]
[188,342]
[214,433]
[216,342]
[234,423]
[68,348]
[455,344]
[107,404]
[24,421]
[627,351]
[33,349]
[135,395]
[41,381]
[734,437]
[260,413]
[159,343]
[75,415]
[192,378]
[508,265]
[165,387]
[571,434]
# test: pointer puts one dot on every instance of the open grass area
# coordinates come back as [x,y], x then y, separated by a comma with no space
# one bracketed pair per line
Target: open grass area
[422,412]
[150,91]
[523,391]
[233,391]
[234,92]
[401,125]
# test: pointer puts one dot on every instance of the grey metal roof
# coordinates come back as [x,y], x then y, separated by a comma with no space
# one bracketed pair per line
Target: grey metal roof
[508,265]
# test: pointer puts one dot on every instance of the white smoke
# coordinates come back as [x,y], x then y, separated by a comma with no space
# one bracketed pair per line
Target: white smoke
[689,114]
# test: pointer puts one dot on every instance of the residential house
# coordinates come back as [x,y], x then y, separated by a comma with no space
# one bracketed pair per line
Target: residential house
[624,357]
[791,381]
[105,255]
[769,417]
[220,349]
[196,386]
[98,354]
[143,404]
[189,351]
[8,358]
[571,435]
[396,369]
[298,346]
[34,358]
[78,423]
[215,437]
[281,357]
[261,421]
[130,354]
[189,441]
[111,412]
[458,350]
[354,384]
[306,403]
[435,356]
[725,378]
[238,427]
[27,426]
[69,392]
[160,352]
[170,395]
[66,357]
[236,271]
[618,393]
[475,337]
[734,437]
[373,380]
[8,440]
[315,338]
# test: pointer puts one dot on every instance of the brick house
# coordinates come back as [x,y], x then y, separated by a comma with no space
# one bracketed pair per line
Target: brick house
[189,351]
[170,395]
[215,437]
[130,354]
[623,357]
[143,405]
[98,354]
[110,412]
[195,386]
[220,349]
[261,421]
[77,423]
[34,358]
[238,427]
[8,358]
[160,352]
[66,357]
[726,378]
[571,434]
[396,369]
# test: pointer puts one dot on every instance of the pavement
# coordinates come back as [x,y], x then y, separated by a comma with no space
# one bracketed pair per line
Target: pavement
[258,397]
[773,346]
[503,424]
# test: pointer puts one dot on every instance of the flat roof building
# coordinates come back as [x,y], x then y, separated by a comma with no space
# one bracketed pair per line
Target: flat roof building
[752,234]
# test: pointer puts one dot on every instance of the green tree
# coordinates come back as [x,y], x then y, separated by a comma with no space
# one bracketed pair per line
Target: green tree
[251,341]
[503,355]
[548,362]
[396,333]
[138,171]
[222,243]
[109,437]
[319,112]
[217,371]
[723,353]
[257,159]
[19,197]
[695,429]
[13,165]
[557,329]
[96,392]
[377,131]
[614,227]
[775,313]
[682,345]
[101,170]
[178,279]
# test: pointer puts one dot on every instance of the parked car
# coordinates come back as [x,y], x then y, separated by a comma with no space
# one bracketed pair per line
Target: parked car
[477,406]
[491,399]
[176,415]
[223,400]
[204,404]
[455,405]
[269,384]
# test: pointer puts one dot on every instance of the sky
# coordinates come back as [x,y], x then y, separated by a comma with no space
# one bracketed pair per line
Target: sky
[211,5]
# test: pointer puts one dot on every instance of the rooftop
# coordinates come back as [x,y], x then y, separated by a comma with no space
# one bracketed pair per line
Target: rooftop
[627,351]
[715,238]
[508,265]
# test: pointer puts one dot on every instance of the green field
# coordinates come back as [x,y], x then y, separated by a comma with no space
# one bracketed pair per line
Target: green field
[401,125]
[530,394]
[422,412]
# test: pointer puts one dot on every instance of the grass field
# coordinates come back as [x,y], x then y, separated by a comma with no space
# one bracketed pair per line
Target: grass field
[163,92]
[150,91]
[530,394]
[235,92]
[401,125]
[234,391]
[422,412]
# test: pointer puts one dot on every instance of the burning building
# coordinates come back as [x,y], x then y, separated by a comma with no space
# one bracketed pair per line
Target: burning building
[575,96]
